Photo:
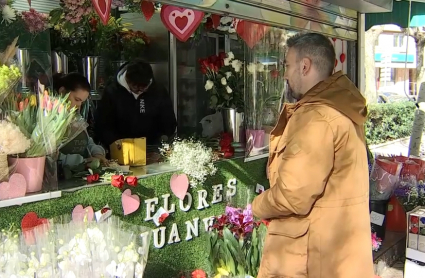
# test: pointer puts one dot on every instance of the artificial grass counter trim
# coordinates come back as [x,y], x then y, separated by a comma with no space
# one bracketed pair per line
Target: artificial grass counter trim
[170,260]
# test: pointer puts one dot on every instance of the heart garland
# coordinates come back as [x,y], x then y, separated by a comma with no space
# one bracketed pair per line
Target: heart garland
[251,32]
[130,202]
[103,9]
[179,185]
[181,22]
[81,214]
[148,9]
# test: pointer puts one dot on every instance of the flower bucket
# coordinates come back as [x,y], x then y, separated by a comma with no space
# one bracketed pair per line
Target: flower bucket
[380,208]
[32,168]
[257,136]
[233,123]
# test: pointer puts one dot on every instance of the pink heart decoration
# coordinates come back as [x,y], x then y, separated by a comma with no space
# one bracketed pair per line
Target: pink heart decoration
[79,213]
[130,203]
[103,9]
[179,185]
[181,22]
[16,187]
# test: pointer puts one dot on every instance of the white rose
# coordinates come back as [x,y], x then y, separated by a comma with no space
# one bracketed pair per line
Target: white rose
[251,68]
[226,61]
[209,85]
[229,90]
[236,64]
[230,55]
[223,81]
[228,74]
[260,67]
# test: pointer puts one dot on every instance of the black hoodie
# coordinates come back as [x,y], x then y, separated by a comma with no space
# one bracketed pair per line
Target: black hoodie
[121,114]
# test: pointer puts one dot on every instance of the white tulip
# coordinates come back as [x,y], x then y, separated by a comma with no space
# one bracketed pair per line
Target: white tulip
[229,90]
[226,61]
[230,55]
[251,68]
[260,67]
[209,85]
[223,81]
[228,74]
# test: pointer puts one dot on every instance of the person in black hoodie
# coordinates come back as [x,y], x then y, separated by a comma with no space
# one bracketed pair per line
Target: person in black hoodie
[135,106]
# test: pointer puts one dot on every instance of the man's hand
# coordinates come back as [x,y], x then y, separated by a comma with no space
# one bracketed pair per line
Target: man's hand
[103,160]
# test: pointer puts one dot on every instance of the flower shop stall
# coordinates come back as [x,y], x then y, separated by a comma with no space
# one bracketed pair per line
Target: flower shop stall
[189,216]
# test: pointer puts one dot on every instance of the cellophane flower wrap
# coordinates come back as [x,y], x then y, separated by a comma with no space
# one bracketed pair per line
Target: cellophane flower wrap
[48,121]
[384,178]
[192,157]
[10,74]
[236,243]
[224,81]
[64,248]
[410,190]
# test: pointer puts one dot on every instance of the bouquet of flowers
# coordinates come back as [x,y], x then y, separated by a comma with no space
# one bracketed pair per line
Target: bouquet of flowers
[9,73]
[74,247]
[224,81]
[384,178]
[192,157]
[376,242]
[44,119]
[236,243]
[133,43]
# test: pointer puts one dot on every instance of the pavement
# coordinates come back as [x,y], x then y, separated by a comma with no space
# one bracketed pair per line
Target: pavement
[396,271]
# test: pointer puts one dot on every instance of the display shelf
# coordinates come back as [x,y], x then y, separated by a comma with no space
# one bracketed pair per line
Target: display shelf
[36,197]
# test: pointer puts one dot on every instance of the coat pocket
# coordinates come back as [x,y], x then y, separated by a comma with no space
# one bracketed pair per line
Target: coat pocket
[286,248]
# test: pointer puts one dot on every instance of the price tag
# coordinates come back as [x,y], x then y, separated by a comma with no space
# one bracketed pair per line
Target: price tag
[377,218]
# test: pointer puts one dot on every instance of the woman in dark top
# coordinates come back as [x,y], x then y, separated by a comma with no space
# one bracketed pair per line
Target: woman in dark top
[82,148]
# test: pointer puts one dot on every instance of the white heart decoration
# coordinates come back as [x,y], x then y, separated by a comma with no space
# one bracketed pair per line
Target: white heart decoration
[178,15]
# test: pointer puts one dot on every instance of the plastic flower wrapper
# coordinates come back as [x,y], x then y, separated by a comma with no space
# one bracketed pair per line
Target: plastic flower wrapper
[131,248]
[383,178]
[9,73]
[12,260]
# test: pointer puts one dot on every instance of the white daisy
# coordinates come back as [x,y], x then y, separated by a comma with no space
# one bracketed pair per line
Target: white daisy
[8,14]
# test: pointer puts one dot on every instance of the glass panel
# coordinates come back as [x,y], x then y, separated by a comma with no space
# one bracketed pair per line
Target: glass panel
[264,85]
[193,101]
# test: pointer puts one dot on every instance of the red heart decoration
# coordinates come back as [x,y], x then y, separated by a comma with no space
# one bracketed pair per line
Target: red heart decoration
[31,220]
[216,20]
[334,39]
[251,32]
[103,9]
[148,9]
[181,22]
[28,223]
[342,58]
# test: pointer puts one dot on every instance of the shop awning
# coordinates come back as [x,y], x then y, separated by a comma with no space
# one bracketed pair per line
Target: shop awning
[399,15]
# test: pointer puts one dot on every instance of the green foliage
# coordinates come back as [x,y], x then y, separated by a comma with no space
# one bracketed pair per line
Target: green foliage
[389,121]
[172,259]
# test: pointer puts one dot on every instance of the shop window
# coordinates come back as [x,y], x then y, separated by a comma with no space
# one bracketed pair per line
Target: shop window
[398,40]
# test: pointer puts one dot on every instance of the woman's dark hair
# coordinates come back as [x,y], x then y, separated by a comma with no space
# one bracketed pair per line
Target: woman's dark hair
[139,73]
[71,82]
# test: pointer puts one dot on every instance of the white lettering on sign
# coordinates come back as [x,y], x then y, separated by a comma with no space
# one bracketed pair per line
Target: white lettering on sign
[377,218]
[192,226]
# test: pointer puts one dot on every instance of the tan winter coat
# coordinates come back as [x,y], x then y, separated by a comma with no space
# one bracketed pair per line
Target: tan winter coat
[318,202]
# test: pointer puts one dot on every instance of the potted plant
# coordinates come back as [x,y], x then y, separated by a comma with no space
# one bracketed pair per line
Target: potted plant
[264,92]
[46,121]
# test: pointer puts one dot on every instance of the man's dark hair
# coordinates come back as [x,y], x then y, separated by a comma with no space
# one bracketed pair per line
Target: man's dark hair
[139,73]
[317,48]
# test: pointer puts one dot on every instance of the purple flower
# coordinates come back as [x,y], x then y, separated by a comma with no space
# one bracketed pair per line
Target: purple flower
[247,213]
[233,214]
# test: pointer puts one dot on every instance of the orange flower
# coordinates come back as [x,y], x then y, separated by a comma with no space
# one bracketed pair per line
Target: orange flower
[199,273]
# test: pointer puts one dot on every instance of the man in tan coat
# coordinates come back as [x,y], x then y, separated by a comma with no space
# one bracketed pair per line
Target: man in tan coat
[318,201]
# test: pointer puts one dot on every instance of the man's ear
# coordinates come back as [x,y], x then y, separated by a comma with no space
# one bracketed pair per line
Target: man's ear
[305,65]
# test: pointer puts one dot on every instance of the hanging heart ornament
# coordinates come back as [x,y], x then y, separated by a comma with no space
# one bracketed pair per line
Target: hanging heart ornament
[181,22]
[251,32]
[148,9]
[342,58]
[103,9]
